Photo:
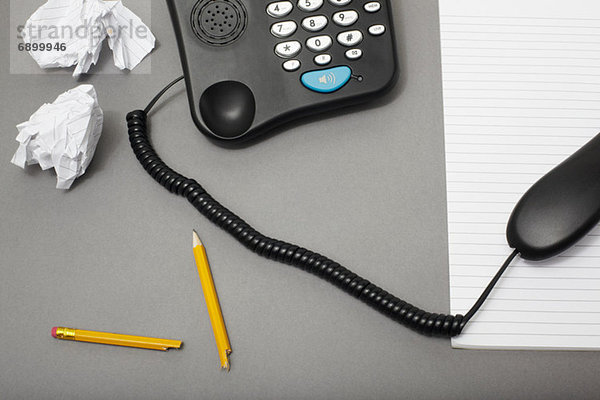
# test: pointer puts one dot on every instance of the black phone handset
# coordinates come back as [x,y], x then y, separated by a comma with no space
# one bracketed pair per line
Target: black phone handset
[552,216]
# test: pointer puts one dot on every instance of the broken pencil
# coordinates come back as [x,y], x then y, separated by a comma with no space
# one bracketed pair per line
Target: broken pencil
[212,302]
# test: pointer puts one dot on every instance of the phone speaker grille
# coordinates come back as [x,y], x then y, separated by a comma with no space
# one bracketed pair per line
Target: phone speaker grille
[219,22]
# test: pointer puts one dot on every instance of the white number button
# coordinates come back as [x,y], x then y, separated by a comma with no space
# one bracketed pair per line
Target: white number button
[291,65]
[322,59]
[340,2]
[345,18]
[288,49]
[377,30]
[283,29]
[310,5]
[319,43]
[373,7]
[350,38]
[280,9]
[354,54]
[315,24]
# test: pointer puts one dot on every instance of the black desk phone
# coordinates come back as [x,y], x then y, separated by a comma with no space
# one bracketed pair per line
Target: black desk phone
[253,65]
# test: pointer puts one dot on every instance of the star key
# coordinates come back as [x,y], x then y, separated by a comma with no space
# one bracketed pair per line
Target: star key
[288,49]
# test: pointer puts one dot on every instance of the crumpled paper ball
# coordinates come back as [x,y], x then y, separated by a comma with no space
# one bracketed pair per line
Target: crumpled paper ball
[71,32]
[62,135]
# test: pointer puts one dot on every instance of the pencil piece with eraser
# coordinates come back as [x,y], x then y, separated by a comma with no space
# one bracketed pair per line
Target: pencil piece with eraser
[115,339]
[212,302]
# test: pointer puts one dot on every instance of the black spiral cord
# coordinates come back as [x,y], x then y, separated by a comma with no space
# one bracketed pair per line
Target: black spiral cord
[426,323]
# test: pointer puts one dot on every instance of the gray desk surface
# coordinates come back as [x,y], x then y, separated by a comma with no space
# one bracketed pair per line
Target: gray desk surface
[113,253]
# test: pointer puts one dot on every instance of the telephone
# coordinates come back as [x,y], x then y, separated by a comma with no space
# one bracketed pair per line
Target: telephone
[251,66]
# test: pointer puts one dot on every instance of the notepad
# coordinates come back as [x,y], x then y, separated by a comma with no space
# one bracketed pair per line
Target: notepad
[521,93]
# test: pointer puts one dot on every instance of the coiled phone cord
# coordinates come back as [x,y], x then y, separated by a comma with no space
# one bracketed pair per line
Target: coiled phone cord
[421,321]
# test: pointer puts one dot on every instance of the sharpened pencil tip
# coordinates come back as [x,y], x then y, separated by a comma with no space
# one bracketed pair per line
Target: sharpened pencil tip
[196,239]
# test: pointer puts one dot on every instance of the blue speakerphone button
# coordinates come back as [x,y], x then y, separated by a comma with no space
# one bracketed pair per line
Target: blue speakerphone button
[327,80]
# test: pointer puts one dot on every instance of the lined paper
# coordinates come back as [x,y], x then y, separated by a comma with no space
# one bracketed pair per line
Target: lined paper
[521,93]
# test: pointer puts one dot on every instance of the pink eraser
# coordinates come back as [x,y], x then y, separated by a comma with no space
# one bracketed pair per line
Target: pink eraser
[54,332]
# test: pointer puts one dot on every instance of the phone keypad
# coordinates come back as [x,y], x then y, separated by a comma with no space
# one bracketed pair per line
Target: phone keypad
[344,15]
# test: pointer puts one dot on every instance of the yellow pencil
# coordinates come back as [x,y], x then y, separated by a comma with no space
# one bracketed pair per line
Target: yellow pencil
[212,302]
[114,339]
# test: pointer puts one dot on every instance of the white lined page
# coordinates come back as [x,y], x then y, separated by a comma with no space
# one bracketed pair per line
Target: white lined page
[521,93]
